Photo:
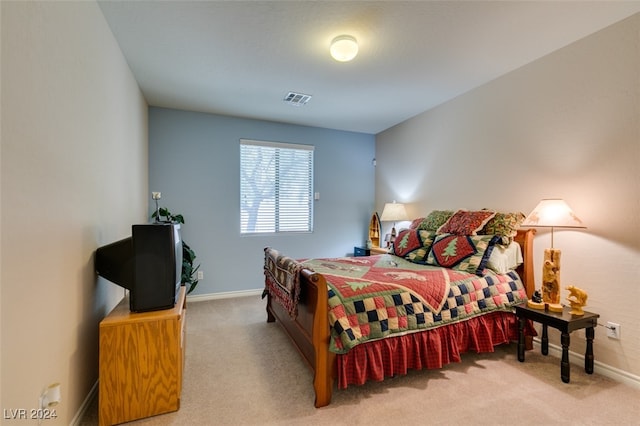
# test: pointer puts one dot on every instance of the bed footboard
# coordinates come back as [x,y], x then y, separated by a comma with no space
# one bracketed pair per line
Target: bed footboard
[308,327]
[309,331]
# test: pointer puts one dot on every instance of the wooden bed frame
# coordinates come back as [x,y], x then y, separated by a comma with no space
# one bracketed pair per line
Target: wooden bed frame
[309,331]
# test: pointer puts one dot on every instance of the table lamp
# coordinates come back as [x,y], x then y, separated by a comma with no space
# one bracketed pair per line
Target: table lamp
[552,213]
[393,212]
[387,240]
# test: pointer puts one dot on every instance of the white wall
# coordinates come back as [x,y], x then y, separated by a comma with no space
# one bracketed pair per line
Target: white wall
[566,126]
[74,176]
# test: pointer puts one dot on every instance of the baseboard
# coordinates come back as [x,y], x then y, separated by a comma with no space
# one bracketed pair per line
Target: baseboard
[224,295]
[93,393]
[599,367]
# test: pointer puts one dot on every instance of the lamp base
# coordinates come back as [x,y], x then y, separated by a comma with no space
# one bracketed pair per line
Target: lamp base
[551,276]
[535,305]
[555,307]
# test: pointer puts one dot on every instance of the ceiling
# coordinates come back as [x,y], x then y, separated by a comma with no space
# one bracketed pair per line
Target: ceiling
[241,58]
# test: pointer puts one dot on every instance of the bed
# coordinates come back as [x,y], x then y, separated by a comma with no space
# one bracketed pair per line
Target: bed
[435,296]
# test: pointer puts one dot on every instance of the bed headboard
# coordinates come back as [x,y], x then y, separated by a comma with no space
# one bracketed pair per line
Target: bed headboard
[525,239]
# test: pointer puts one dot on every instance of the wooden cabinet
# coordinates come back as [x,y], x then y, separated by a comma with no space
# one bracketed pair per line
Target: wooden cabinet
[141,362]
[374,230]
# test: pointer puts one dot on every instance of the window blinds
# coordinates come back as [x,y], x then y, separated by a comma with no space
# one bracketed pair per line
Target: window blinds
[276,187]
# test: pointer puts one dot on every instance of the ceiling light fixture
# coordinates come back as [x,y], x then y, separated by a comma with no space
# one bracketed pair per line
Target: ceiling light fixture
[344,48]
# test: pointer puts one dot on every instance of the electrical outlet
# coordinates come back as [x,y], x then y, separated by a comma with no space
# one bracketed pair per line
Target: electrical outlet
[613,330]
[200,275]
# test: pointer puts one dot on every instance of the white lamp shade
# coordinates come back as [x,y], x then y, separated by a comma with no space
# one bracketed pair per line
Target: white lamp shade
[344,48]
[393,212]
[554,213]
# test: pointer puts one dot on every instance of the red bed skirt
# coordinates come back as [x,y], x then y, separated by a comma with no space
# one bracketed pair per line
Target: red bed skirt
[429,349]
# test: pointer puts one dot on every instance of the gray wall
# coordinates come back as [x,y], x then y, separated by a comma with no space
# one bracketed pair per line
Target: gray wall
[194,161]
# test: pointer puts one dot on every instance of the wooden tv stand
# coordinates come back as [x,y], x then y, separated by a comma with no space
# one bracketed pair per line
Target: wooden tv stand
[141,362]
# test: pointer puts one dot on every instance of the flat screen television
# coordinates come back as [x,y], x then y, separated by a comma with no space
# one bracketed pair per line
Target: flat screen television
[148,264]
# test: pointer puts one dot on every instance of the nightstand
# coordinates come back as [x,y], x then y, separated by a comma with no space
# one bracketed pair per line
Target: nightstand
[361,251]
[379,250]
[566,323]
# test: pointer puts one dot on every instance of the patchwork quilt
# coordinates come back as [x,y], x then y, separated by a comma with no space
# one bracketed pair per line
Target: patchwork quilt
[282,280]
[374,297]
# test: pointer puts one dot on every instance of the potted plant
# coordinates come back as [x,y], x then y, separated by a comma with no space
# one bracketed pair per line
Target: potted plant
[189,272]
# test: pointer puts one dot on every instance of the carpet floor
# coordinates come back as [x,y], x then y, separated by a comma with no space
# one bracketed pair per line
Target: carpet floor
[241,370]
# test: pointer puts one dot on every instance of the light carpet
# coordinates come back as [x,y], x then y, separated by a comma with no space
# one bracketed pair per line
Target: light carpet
[241,370]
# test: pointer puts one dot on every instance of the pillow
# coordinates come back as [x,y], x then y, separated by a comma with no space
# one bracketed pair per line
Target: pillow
[406,241]
[415,223]
[420,254]
[504,225]
[505,258]
[464,222]
[466,253]
[434,220]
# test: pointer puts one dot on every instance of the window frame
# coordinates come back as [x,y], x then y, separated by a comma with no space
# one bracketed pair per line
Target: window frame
[285,201]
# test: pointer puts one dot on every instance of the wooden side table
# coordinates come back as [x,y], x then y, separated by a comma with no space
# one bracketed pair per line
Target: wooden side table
[363,251]
[380,250]
[566,323]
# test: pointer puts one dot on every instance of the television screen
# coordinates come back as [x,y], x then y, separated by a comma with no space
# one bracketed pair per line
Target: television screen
[148,264]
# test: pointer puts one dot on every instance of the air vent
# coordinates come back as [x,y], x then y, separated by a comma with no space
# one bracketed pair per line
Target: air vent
[296,99]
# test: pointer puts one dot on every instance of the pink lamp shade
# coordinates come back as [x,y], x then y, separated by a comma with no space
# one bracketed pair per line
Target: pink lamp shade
[553,212]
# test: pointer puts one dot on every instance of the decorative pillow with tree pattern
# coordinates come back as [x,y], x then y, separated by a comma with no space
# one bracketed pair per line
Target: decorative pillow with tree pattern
[467,253]
[414,245]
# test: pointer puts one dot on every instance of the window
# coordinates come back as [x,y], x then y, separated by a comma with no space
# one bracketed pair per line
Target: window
[276,187]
